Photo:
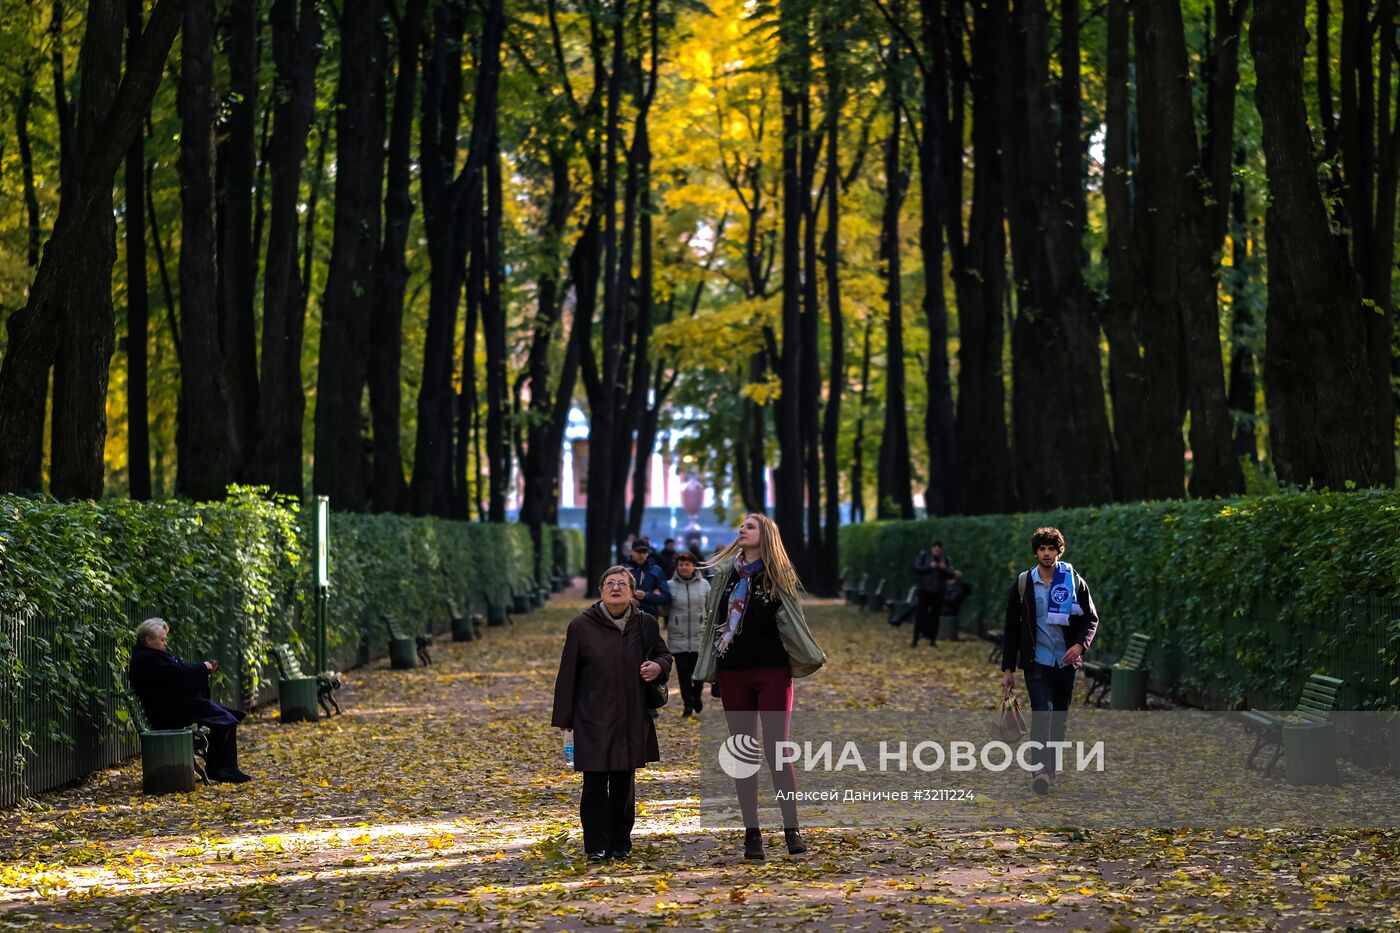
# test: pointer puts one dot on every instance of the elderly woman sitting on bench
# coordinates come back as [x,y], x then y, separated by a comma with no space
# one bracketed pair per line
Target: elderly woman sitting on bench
[175,694]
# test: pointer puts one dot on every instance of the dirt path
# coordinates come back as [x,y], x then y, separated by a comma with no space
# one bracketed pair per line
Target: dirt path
[439,800]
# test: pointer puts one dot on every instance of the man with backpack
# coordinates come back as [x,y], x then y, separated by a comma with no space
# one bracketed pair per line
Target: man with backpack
[1050,624]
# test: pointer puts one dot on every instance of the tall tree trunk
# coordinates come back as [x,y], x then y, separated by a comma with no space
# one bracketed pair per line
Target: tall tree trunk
[1141,471]
[1065,459]
[32,471]
[431,491]
[61,277]
[830,563]
[1315,363]
[387,487]
[162,269]
[1178,300]
[858,444]
[549,410]
[62,111]
[238,265]
[493,321]
[137,293]
[607,454]
[979,274]
[24,103]
[88,325]
[788,478]
[313,202]
[810,358]
[945,493]
[894,496]
[755,465]
[1369,165]
[466,487]
[348,304]
[206,436]
[296,40]
[1242,384]
[493,327]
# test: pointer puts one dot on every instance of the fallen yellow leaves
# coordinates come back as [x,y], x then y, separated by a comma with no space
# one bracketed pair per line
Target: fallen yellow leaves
[439,801]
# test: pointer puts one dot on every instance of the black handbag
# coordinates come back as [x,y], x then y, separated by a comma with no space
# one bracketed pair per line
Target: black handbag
[657,694]
[657,691]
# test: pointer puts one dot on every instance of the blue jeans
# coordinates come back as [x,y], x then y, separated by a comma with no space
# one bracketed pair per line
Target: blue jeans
[1050,689]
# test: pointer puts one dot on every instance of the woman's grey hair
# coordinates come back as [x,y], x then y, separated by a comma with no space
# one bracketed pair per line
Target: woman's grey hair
[615,568]
[150,627]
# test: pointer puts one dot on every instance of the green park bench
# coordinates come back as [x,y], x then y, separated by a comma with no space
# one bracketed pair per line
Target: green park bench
[465,626]
[855,591]
[297,693]
[1314,708]
[170,758]
[899,606]
[875,599]
[1124,681]
[407,651]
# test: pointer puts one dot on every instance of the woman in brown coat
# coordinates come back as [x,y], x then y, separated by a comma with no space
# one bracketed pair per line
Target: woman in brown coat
[612,650]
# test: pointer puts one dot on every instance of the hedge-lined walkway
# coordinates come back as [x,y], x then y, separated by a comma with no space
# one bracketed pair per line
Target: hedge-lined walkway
[439,801]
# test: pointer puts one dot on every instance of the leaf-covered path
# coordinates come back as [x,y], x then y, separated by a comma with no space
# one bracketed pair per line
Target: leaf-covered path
[439,801]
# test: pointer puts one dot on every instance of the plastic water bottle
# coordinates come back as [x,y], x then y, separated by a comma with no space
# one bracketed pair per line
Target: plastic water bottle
[569,747]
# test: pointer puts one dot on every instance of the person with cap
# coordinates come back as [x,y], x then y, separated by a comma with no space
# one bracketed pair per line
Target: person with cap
[651,590]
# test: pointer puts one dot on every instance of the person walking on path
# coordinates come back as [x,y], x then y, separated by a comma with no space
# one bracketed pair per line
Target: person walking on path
[612,650]
[689,591]
[652,593]
[754,643]
[1050,624]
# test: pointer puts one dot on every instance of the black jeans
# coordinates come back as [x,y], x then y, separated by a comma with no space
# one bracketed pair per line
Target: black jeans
[1050,689]
[926,612]
[607,809]
[690,690]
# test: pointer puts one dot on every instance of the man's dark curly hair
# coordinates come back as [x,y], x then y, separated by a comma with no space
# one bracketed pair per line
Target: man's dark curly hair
[1050,536]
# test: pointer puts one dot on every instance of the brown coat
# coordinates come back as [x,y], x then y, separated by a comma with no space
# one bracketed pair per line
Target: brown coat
[600,693]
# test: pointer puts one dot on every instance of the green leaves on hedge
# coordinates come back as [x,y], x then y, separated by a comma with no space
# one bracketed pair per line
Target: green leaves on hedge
[1205,578]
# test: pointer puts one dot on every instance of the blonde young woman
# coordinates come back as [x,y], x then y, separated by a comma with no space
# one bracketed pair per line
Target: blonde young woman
[754,643]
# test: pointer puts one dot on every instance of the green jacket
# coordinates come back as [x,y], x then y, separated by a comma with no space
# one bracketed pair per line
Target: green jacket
[805,656]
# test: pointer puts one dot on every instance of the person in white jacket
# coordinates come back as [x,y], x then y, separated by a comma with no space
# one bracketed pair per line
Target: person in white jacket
[684,624]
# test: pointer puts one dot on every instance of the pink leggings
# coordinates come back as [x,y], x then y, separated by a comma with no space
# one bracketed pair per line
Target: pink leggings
[761,695]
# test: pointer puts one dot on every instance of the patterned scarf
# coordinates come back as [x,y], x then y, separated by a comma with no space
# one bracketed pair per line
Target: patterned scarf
[737,599]
[621,623]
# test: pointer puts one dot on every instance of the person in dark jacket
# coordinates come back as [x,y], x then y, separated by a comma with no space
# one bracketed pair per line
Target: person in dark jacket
[934,571]
[1050,624]
[666,559]
[684,624]
[612,650]
[652,591]
[175,694]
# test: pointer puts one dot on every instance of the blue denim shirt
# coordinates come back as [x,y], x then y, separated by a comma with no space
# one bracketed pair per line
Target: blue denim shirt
[1050,644]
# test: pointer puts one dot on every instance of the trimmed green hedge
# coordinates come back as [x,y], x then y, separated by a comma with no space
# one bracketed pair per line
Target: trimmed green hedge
[568,552]
[233,578]
[1243,597]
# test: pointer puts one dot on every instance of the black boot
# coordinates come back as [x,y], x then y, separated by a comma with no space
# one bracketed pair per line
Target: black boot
[227,770]
[753,844]
[795,844]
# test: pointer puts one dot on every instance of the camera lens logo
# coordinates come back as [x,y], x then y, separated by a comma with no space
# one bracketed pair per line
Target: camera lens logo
[740,756]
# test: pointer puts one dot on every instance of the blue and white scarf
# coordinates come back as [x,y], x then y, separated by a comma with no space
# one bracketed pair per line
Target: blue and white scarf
[737,599]
[1060,603]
